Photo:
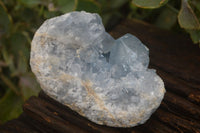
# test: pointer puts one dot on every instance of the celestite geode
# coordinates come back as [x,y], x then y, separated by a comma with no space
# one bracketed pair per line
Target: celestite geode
[80,65]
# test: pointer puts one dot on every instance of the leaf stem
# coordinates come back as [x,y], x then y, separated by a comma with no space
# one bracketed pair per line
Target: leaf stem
[9,84]
[172,8]
[75,5]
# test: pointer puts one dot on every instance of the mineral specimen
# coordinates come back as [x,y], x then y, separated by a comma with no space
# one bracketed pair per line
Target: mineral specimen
[80,65]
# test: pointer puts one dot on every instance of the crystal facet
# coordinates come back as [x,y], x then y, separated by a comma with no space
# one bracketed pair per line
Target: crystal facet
[80,65]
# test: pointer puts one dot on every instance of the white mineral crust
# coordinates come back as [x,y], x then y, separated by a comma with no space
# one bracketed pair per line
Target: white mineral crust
[80,65]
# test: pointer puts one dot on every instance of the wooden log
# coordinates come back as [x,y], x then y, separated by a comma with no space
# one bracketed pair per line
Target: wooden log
[182,105]
[181,124]
[160,127]
[176,60]
[19,125]
[180,87]
[43,110]
[42,115]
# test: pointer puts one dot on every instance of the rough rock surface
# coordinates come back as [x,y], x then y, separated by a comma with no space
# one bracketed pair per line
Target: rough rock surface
[80,65]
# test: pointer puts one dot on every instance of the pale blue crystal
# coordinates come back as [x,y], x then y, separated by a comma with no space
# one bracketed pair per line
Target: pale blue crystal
[80,65]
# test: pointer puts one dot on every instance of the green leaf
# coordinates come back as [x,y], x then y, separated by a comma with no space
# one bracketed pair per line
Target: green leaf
[8,58]
[18,43]
[22,66]
[10,105]
[48,14]
[31,3]
[66,5]
[106,18]
[166,19]
[195,35]
[149,3]
[195,3]
[111,19]
[88,6]
[117,3]
[187,18]
[8,82]
[5,20]
[198,5]
[28,85]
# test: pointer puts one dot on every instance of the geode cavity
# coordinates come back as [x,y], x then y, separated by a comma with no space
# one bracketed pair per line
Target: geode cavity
[80,65]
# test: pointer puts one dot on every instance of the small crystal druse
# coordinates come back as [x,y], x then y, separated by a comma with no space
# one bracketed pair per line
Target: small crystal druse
[80,65]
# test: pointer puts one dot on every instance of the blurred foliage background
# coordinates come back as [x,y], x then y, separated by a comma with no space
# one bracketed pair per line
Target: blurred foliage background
[19,19]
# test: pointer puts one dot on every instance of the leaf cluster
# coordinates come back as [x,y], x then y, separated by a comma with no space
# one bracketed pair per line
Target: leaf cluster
[171,15]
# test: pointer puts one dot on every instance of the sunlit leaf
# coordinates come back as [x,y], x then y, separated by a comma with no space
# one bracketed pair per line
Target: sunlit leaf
[5,19]
[87,5]
[187,18]
[166,19]
[149,3]
[66,5]
[10,106]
